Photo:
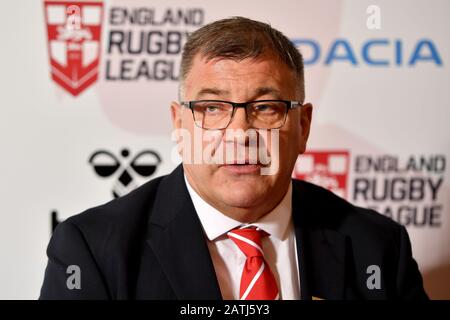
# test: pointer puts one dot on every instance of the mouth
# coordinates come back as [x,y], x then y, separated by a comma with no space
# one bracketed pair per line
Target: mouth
[245,168]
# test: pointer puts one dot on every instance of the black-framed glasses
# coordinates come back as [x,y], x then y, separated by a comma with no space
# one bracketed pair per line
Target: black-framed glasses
[260,114]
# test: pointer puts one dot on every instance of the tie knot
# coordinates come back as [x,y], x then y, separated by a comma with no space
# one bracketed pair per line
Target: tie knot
[248,239]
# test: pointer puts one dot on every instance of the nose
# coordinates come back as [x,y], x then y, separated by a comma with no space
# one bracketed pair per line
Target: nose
[237,132]
[239,120]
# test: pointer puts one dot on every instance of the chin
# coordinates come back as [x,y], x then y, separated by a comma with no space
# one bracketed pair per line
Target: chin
[244,197]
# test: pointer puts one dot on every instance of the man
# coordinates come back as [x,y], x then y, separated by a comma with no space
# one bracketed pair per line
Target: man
[228,229]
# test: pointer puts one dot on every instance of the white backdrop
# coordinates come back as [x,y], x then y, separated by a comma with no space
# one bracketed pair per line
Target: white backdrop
[380,136]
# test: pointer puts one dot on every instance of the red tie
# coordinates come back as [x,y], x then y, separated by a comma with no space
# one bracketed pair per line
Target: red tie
[257,281]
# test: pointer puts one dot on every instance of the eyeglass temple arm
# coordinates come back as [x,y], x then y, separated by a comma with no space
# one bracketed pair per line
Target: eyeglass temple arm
[295,104]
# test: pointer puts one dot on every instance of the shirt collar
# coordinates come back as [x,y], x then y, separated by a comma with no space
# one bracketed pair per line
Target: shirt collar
[216,224]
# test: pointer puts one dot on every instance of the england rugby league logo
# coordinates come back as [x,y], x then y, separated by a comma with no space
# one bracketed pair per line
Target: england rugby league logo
[328,169]
[73,33]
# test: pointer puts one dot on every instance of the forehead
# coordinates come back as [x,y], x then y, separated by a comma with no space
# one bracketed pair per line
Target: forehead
[240,77]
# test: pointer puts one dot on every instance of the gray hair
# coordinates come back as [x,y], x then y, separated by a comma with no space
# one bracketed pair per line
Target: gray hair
[239,38]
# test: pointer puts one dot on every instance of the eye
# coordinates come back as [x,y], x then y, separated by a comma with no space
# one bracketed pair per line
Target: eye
[262,108]
[213,109]
[265,108]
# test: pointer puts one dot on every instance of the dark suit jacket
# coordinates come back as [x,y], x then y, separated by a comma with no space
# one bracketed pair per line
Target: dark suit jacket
[150,244]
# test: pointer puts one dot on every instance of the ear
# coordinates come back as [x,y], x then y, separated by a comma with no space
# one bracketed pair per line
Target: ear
[176,113]
[305,125]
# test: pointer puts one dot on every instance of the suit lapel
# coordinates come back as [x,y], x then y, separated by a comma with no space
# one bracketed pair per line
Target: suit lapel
[320,249]
[176,237]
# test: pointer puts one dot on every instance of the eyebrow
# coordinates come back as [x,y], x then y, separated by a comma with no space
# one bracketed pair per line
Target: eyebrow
[213,91]
[261,91]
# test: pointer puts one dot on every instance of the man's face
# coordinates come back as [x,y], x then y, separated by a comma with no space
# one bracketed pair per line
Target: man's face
[240,190]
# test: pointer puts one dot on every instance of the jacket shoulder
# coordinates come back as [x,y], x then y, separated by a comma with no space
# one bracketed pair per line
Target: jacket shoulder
[329,210]
[104,241]
[122,210]
[370,238]
[115,225]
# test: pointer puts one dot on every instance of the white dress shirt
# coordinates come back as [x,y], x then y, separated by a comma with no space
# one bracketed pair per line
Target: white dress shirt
[280,250]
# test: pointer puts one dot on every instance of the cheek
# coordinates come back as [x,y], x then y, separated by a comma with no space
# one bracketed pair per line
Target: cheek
[294,134]
[290,140]
[186,119]
[188,143]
